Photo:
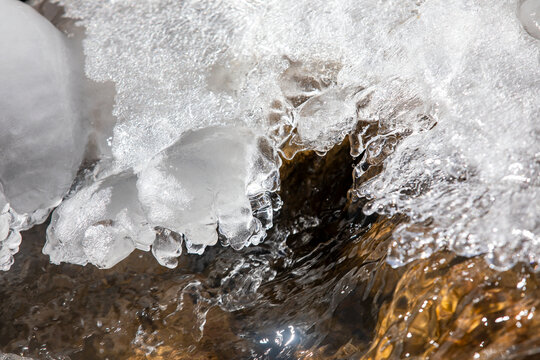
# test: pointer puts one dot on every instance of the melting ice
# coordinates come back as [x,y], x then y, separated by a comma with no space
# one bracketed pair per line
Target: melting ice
[440,98]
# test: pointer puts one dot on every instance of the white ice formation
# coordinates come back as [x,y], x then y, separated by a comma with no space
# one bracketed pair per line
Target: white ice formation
[529,14]
[468,179]
[42,138]
[441,98]
[211,180]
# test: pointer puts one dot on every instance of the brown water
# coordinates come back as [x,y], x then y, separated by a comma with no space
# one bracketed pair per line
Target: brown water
[317,288]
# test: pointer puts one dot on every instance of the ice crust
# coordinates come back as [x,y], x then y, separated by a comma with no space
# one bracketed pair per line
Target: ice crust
[471,183]
[440,98]
[449,87]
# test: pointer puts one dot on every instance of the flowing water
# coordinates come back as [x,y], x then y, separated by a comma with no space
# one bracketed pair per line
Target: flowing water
[317,288]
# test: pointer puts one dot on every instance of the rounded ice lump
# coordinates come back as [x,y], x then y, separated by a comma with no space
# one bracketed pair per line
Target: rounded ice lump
[204,183]
[42,139]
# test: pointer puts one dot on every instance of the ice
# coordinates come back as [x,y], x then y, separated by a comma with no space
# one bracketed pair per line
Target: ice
[439,97]
[41,136]
[10,239]
[204,182]
[4,356]
[330,110]
[42,139]
[167,247]
[101,224]
[319,109]
[467,177]
[197,186]
[529,14]
[203,63]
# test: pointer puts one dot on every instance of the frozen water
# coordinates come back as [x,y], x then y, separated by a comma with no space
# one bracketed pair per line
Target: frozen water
[101,224]
[204,183]
[42,139]
[4,356]
[441,98]
[529,14]
[201,63]
[197,186]
[167,247]
[41,133]
[471,183]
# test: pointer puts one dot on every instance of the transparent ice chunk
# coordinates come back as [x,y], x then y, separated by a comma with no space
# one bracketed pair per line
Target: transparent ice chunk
[529,14]
[167,247]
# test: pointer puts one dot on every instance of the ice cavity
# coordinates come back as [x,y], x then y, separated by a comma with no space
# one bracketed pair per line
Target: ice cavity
[42,139]
[214,181]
